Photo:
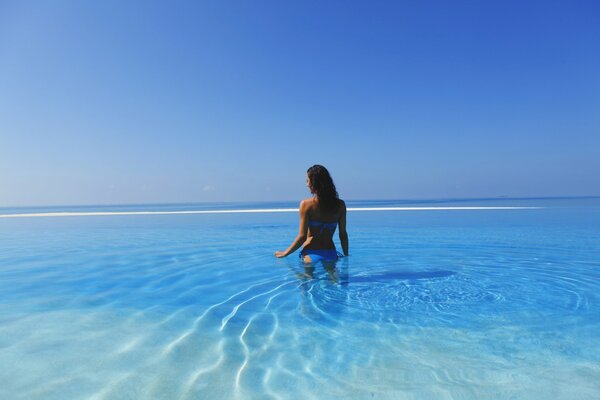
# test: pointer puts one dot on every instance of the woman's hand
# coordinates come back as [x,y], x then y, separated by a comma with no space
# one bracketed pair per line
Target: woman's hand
[301,238]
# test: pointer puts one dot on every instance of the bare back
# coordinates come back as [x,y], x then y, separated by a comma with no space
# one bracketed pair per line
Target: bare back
[322,224]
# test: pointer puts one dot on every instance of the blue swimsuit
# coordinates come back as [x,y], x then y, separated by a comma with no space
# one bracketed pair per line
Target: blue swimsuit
[321,255]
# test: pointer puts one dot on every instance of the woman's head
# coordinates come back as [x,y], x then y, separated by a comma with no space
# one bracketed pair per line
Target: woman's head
[321,184]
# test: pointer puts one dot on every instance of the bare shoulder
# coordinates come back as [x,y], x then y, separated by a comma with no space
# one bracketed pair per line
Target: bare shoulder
[306,204]
[342,205]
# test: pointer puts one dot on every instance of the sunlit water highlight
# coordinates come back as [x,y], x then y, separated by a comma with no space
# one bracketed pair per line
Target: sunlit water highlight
[456,304]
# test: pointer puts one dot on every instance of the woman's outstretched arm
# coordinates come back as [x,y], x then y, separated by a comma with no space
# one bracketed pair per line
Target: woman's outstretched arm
[302,232]
[342,230]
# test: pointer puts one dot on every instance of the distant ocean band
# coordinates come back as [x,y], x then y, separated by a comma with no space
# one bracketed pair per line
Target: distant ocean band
[240,211]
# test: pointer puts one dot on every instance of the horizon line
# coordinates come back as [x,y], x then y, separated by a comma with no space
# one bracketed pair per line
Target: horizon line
[247,211]
[422,199]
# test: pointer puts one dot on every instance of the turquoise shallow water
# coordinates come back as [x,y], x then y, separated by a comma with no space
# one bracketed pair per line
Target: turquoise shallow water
[429,305]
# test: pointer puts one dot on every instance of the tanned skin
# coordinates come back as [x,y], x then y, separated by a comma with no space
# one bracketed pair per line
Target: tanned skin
[309,239]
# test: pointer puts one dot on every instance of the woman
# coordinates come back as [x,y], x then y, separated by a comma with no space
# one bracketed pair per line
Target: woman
[319,216]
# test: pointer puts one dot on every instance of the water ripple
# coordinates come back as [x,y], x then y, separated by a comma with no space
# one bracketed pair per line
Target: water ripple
[155,308]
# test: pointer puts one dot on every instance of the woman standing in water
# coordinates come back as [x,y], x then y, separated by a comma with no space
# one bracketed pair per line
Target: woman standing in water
[319,216]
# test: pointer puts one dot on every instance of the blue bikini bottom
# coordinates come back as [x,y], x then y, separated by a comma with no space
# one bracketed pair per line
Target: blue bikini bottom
[320,255]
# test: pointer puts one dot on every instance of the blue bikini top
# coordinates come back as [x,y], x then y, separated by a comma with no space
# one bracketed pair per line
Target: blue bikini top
[329,225]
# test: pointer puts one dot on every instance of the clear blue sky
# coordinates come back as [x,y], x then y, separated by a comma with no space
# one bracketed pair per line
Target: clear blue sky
[134,101]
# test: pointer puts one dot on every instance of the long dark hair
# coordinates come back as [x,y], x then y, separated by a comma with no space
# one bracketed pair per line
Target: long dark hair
[322,185]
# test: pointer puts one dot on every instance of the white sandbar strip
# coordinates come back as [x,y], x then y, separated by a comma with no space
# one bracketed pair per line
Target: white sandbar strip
[437,208]
[242,211]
